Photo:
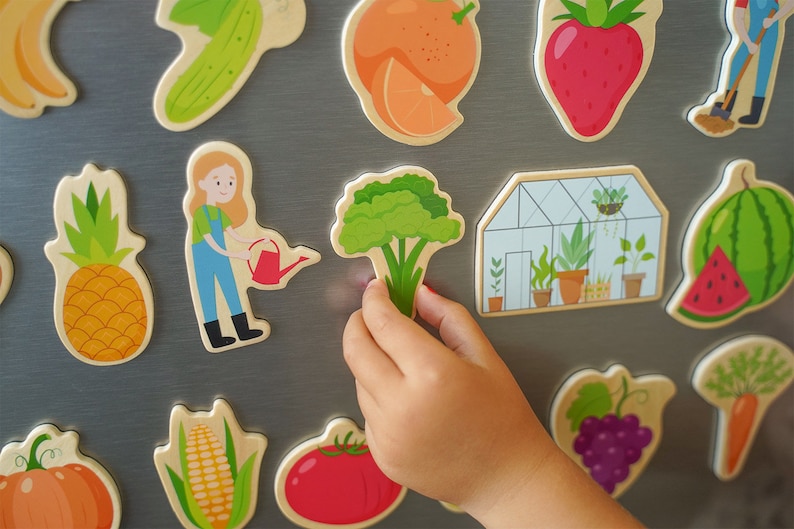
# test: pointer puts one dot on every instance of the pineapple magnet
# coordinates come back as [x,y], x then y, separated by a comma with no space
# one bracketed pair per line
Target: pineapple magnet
[6,273]
[222,44]
[610,423]
[46,481]
[210,467]
[104,308]
[737,254]
[227,251]
[591,57]
[741,378]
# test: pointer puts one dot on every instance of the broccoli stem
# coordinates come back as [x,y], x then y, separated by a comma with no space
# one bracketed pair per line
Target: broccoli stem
[404,275]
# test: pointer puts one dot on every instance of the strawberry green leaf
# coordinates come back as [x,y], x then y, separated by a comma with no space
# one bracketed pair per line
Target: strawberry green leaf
[594,400]
[576,11]
[621,13]
[596,12]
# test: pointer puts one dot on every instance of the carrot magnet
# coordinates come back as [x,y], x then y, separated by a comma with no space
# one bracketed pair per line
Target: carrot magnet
[610,423]
[411,62]
[590,60]
[30,80]
[227,252]
[46,481]
[6,273]
[737,254]
[222,43]
[210,467]
[398,219]
[332,481]
[104,308]
[749,68]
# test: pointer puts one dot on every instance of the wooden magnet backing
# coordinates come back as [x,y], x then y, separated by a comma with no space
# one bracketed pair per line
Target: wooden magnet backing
[410,63]
[30,79]
[610,423]
[332,481]
[210,467]
[589,61]
[737,255]
[222,43]
[741,378]
[104,308]
[6,273]
[46,481]
[398,219]
[227,251]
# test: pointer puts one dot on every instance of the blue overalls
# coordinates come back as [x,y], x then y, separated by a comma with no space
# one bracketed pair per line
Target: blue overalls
[759,11]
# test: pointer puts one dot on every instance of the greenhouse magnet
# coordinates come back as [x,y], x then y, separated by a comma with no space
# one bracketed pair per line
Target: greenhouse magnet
[6,273]
[741,378]
[398,219]
[104,308]
[563,240]
[610,423]
[45,481]
[222,44]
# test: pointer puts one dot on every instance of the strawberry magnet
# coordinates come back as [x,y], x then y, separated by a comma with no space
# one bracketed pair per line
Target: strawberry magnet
[591,58]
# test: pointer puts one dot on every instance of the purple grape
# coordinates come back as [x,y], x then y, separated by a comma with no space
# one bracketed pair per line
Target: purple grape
[608,486]
[590,458]
[623,438]
[614,456]
[633,455]
[620,473]
[630,422]
[610,423]
[601,472]
[643,437]
[602,441]
[589,426]
[581,443]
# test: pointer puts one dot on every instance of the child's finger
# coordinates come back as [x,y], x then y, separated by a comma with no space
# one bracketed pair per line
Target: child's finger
[368,363]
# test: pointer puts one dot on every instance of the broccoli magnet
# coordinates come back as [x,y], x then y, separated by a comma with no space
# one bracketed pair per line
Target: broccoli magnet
[398,219]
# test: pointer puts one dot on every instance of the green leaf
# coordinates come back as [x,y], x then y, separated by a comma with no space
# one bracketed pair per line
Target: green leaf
[622,13]
[208,15]
[496,263]
[647,256]
[625,245]
[596,12]
[231,454]
[594,400]
[621,260]
[179,488]
[241,502]
[577,12]
[83,217]
[640,245]
[91,204]
[80,242]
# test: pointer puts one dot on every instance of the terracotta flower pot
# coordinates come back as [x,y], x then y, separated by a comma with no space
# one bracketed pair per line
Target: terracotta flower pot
[495,304]
[541,297]
[632,284]
[571,282]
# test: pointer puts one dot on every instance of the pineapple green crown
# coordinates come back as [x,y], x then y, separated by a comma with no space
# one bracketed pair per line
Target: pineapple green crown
[95,237]
[601,13]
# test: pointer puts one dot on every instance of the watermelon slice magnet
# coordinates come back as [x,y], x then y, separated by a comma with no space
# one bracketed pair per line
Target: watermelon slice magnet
[738,254]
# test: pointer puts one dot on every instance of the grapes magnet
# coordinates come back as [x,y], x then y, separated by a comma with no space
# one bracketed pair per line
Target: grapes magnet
[411,62]
[6,273]
[227,252]
[591,57]
[741,378]
[332,481]
[398,219]
[610,423]
[104,308]
[46,481]
[222,43]
[30,79]
[738,254]
[210,467]
[743,95]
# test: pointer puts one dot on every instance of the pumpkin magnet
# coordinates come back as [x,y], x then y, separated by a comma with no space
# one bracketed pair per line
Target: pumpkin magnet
[749,67]
[30,80]
[738,254]
[332,481]
[210,467]
[410,63]
[6,273]
[398,219]
[589,60]
[610,423]
[222,44]
[45,481]
[104,308]
[227,251]
[741,378]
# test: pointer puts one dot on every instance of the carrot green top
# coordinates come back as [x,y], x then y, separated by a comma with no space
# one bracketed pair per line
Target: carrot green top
[757,373]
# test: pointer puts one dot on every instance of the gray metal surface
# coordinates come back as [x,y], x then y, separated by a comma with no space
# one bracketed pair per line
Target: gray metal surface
[302,126]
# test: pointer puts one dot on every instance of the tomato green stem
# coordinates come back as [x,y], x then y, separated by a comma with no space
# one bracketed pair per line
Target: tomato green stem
[458,16]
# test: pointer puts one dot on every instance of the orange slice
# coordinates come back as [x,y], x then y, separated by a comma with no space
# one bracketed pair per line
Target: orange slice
[406,104]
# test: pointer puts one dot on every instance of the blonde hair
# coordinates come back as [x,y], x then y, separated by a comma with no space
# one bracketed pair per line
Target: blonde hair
[236,208]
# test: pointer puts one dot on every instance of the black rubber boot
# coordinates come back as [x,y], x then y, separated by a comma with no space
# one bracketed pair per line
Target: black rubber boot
[756,106]
[728,108]
[217,340]
[241,326]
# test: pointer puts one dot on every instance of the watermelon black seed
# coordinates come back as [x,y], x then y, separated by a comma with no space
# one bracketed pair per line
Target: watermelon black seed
[719,300]
[709,285]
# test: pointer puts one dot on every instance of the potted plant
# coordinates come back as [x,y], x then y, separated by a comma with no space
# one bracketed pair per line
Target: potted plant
[542,275]
[610,200]
[598,290]
[633,282]
[495,301]
[576,252]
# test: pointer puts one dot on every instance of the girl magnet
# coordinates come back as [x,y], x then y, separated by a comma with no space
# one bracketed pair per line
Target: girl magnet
[6,273]
[30,79]
[47,482]
[332,481]
[741,378]
[737,255]
[222,43]
[749,68]
[410,63]
[104,308]
[227,252]
[398,219]
[590,59]
[610,423]
[210,467]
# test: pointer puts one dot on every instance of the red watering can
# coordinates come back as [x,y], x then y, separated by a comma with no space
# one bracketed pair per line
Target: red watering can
[267,270]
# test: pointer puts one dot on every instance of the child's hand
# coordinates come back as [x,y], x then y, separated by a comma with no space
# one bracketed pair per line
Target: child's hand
[448,419]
